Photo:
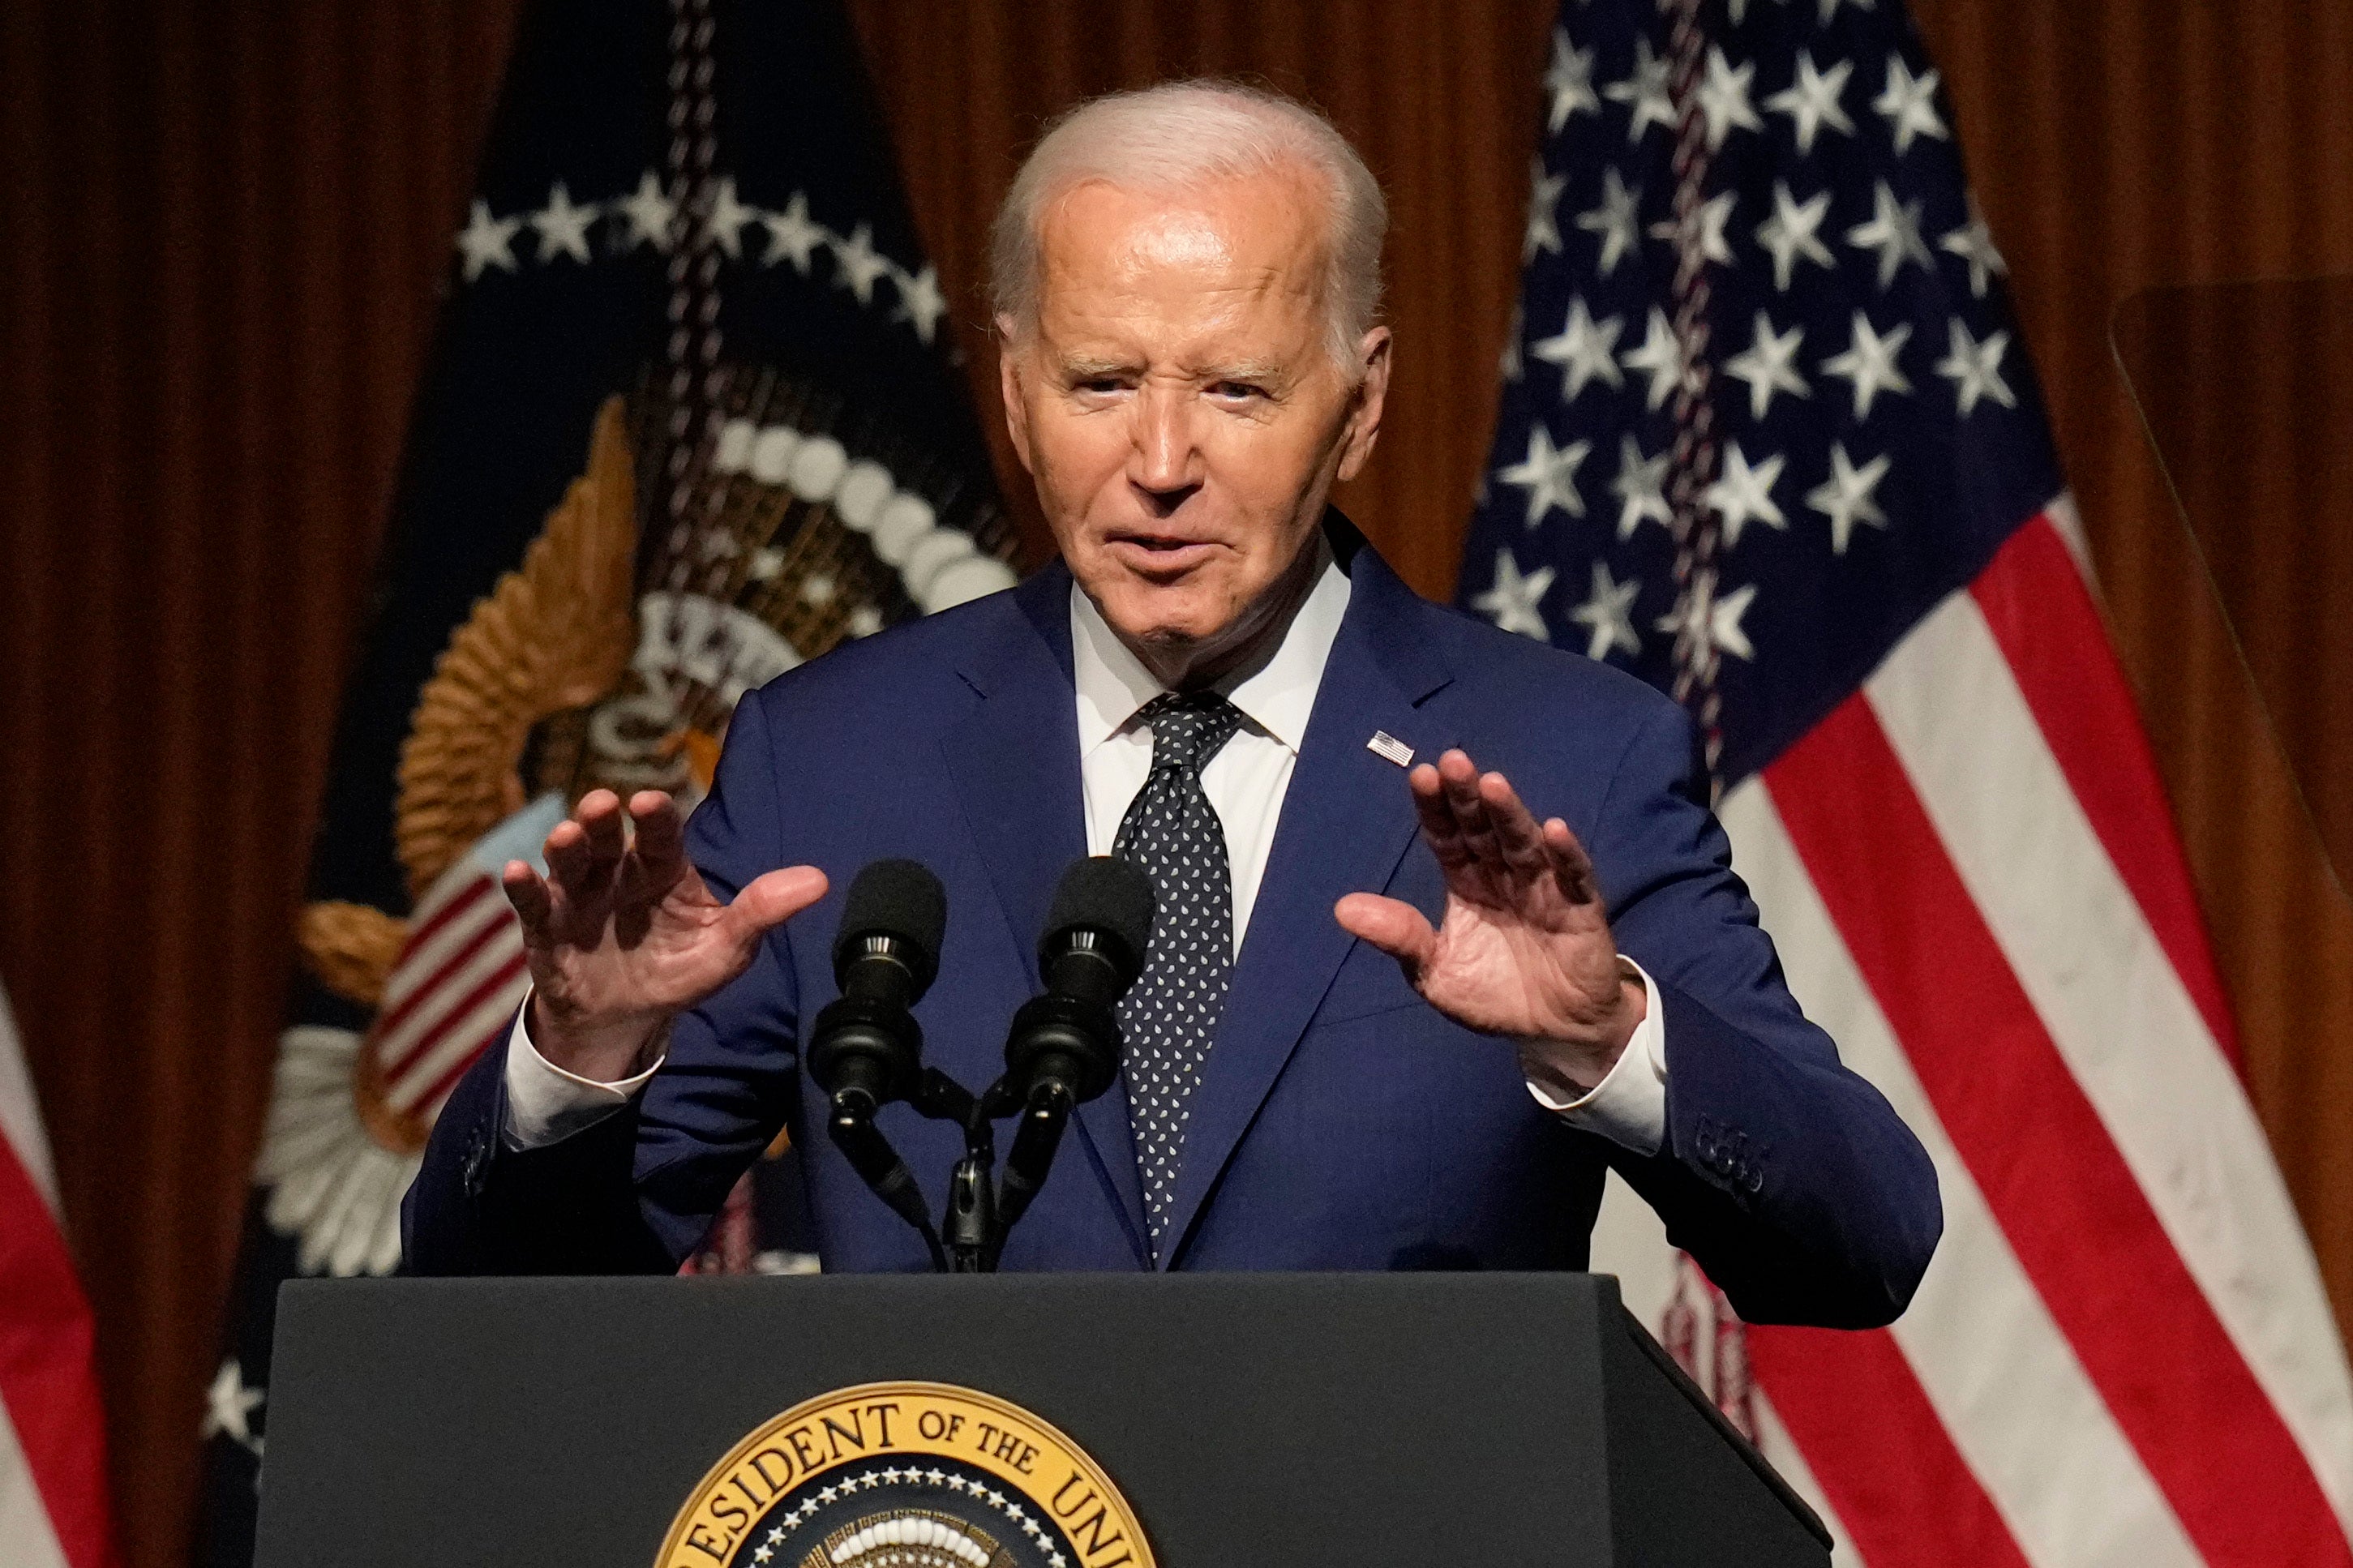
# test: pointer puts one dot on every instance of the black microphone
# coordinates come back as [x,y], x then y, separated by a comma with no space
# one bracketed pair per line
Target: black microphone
[1091,951]
[867,1049]
[1064,1048]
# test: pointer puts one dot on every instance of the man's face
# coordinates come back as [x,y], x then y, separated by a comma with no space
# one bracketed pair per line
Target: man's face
[1178,407]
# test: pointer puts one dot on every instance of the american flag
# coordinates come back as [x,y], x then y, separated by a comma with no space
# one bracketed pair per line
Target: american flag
[1769,438]
[53,1509]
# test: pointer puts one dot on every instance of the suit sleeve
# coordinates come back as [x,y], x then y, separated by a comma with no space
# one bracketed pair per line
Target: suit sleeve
[1789,1177]
[634,1192]
[478,1206]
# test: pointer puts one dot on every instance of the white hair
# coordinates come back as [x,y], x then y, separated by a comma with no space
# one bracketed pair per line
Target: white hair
[1179,136]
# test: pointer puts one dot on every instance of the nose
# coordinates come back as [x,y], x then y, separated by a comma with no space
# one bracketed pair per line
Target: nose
[1164,464]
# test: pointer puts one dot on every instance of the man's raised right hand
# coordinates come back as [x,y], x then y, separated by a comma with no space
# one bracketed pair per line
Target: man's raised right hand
[622,936]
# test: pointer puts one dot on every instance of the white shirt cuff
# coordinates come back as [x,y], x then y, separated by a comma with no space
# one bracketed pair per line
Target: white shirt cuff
[546,1104]
[1629,1106]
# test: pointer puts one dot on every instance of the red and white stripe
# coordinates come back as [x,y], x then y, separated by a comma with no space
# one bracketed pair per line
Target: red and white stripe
[54,1511]
[2123,1352]
[454,991]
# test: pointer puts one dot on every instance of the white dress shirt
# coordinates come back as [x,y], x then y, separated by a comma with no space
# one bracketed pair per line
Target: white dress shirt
[1245,783]
[1248,778]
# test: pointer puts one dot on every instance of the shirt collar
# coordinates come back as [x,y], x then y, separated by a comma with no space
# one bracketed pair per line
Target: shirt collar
[1276,697]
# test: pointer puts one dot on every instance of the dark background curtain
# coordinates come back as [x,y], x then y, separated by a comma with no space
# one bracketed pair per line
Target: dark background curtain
[222,229]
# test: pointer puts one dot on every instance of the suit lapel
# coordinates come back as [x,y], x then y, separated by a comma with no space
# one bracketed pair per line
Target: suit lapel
[1014,762]
[1346,821]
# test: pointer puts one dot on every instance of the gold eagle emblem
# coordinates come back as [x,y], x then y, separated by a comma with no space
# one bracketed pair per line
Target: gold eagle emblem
[590,664]
[554,633]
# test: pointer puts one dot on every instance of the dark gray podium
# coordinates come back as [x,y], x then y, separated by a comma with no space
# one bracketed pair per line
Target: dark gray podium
[1251,1421]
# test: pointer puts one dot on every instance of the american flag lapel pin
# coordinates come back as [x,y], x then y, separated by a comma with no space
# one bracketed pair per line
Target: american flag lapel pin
[1384,744]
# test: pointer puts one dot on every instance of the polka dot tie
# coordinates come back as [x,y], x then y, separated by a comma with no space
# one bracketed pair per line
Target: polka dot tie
[1172,834]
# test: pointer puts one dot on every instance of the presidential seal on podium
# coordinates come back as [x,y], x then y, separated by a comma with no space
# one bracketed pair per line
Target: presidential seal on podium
[905,1475]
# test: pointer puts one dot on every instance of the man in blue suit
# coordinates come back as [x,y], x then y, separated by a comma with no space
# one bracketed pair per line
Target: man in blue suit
[1390,1017]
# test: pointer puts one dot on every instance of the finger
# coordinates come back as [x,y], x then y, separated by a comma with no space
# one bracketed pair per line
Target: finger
[1462,781]
[600,814]
[566,851]
[1571,865]
[529,895]
[659,847]
[1395,927]
[770,900]
[1518,834]
[1438,823]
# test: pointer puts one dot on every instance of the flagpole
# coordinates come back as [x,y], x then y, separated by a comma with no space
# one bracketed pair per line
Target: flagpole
[1691,469]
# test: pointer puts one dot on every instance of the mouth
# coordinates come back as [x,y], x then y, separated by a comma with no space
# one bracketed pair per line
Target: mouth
[1159,554]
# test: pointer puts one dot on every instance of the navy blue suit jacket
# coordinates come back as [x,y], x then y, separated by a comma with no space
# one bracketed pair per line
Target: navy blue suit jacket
[1342,1123]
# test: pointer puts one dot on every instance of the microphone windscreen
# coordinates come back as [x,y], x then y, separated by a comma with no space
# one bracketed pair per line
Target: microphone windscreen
[1106,894]
[901,900]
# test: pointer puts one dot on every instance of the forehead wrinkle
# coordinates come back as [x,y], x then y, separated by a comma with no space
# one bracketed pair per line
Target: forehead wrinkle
[1206,283]
[1231,332]
[1176,235]
[1211,352]
[1194,227]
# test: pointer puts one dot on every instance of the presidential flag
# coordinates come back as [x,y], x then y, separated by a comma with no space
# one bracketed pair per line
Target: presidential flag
[1770,440]
[54,1511]
[691,419]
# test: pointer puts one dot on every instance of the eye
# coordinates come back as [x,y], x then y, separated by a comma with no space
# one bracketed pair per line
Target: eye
[1236,390]
[1100,385]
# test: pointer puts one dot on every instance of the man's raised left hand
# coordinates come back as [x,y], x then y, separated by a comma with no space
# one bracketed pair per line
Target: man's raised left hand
[1523,949]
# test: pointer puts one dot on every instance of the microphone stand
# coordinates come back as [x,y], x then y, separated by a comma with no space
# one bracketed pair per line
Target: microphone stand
[1035,1144]
[878,1164]
[981,1210]
[970,1231]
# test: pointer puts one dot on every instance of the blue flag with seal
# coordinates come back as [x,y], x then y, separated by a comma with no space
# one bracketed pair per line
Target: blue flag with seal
[692,418]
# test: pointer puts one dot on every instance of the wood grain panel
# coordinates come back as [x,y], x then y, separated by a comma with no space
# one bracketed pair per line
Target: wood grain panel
[2120,147]
[223,227]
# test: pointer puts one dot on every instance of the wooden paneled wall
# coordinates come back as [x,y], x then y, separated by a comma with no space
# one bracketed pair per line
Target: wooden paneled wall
[223,231]
[2124,145]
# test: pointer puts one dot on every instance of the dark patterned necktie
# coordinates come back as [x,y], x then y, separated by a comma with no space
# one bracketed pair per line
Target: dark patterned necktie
[1172,834]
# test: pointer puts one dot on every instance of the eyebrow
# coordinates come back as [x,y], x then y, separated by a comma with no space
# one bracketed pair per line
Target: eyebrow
[1242,370]
[1082,366]
[1085,365]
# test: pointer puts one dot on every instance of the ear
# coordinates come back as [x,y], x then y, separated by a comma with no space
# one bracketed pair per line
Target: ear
[1365,412]
[1008,383]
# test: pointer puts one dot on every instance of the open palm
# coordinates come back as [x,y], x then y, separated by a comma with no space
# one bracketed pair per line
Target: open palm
[1523,946]
[623,934]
